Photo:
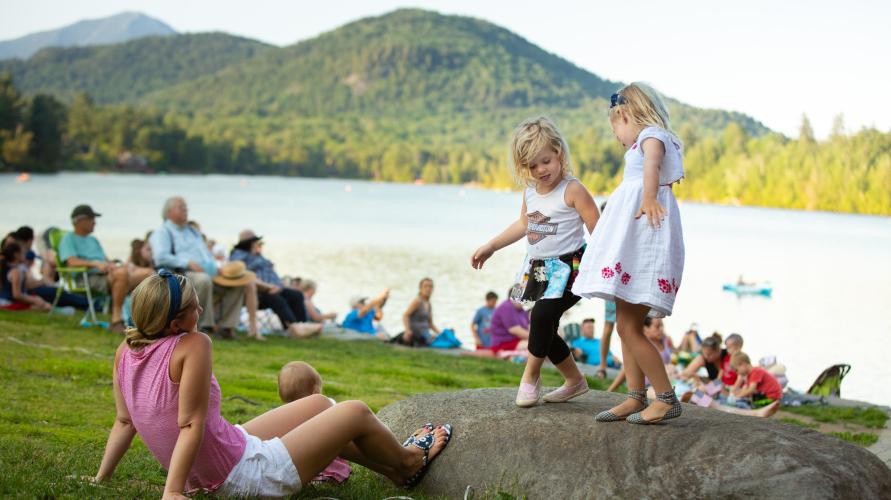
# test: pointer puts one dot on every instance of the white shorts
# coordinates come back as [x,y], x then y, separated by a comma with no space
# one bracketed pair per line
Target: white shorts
[265,470]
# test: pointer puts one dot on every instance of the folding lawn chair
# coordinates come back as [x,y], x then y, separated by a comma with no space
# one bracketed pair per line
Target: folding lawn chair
[75,280]
[829,382]
[571,332]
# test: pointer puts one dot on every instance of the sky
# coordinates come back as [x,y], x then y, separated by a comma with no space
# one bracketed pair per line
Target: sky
[773,60]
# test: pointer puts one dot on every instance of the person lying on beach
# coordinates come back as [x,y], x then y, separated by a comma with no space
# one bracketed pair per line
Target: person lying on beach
[165,391]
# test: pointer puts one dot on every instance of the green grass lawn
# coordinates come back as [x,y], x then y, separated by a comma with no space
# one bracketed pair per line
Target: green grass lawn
[58,405]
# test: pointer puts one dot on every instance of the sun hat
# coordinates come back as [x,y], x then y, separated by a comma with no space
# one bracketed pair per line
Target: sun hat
[357,300]
[245,244]
[234,273]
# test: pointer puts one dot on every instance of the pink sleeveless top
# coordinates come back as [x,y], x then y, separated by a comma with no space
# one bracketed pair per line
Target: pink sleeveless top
[153,402]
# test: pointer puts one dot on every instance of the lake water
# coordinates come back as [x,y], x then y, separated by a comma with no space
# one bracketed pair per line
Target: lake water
[831,272]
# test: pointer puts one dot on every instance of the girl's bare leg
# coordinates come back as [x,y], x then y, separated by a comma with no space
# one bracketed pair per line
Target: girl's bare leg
[630,318]
[532,372]
[604,343]
[570,371]
[315,443]
[634,379]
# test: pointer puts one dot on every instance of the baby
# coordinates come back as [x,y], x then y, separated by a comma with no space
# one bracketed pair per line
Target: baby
[298,380]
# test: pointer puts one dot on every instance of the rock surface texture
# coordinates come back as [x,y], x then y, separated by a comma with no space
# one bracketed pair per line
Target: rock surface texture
[558,451]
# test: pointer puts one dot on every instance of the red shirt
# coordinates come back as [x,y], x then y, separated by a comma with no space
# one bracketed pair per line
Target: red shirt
[765,383]
[729,377]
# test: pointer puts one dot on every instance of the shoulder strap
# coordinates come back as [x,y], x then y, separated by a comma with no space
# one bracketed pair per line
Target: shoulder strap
[172,246]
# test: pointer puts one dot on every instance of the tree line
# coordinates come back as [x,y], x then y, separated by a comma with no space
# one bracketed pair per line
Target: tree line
[848,172]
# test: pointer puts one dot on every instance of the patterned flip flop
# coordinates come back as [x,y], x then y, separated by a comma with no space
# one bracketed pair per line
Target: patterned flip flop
[410,439]
[426,443]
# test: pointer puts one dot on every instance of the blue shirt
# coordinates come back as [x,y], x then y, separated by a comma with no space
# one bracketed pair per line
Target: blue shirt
[83,247]
[262,266]
[591,349]
[482,319]
[363,324]
[186,245]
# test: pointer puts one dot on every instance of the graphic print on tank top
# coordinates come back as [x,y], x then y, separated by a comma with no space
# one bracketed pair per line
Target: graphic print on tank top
[539,227]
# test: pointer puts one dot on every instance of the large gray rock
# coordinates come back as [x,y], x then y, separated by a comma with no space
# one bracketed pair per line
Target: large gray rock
[558,451]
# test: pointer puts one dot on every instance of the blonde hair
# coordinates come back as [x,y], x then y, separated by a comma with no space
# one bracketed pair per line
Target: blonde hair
[642,105]
[151,301]
[531,137]
[307,285]
[298,380]
[738,358]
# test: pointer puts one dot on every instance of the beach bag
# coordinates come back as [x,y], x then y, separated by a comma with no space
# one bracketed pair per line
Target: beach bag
[446,340]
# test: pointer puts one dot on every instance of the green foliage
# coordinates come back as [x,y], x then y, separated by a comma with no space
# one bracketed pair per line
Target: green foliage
[405,96]
[860,438]
[869,417]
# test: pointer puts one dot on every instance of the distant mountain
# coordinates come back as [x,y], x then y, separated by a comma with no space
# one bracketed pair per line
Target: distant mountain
[125,72]
[114,29]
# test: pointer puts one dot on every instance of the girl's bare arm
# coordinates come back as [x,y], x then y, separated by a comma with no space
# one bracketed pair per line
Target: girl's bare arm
[122,431]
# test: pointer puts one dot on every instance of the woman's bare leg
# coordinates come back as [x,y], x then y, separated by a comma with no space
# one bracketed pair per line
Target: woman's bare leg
[282,420]
[315,443]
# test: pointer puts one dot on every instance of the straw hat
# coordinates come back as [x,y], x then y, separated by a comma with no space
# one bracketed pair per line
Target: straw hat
[234,273]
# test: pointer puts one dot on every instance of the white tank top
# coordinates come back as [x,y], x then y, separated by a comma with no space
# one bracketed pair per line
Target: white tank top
[554,229]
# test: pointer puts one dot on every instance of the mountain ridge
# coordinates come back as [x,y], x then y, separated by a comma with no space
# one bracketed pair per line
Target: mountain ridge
[100,31]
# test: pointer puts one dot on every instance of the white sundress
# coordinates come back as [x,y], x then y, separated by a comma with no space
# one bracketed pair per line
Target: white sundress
[626,258]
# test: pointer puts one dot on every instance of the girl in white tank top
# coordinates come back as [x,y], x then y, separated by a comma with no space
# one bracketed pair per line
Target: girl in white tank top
[555,210]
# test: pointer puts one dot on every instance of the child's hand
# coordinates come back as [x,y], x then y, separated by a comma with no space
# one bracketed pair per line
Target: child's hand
[654,211]
[481,255]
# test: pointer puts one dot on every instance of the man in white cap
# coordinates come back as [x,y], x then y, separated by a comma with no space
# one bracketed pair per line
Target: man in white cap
[179,247]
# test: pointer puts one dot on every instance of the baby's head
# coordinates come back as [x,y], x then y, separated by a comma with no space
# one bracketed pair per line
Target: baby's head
[635,107]
[734,343]
[298,380]
[538,152]
[163,304]
[741,364]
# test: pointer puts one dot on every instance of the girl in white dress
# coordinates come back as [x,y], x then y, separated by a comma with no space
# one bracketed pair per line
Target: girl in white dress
[635,256]
[556,215]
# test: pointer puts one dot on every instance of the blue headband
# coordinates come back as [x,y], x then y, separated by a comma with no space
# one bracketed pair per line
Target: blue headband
[616,100]
[176,294]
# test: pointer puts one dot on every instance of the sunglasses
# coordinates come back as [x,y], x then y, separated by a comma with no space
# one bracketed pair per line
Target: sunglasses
[616,100]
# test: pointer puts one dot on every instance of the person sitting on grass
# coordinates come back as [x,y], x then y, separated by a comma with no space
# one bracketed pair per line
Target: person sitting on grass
[691,342]
[586,348]
[715,360]
[418,318]
[287,303]
[80,248]
[363,313]
[759,395]
[481,322]
[309,288]
[19,287]
[509,327]
[298,380]
[165,391]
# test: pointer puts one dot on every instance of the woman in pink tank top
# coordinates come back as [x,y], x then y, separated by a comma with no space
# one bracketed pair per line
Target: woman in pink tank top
[166,392]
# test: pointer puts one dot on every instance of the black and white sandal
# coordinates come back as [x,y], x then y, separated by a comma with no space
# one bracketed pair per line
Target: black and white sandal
[426,443]
[427,427]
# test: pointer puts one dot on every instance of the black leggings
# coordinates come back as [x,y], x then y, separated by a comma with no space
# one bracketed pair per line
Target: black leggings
[543,338]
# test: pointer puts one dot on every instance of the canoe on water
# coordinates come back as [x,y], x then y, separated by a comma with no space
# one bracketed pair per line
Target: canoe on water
[750,289]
